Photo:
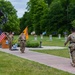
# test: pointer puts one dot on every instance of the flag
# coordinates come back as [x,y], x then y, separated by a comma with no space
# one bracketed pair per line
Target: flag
[44,33]
[26,32]
[2,36]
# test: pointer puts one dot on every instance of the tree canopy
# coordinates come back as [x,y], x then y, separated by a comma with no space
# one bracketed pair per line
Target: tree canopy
[49,15]
[9,11]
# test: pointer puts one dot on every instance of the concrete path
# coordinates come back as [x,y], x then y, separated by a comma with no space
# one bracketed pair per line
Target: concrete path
[47,47]
[49,60]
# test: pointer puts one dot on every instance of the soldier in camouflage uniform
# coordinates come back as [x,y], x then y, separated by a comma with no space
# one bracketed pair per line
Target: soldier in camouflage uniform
[71,39]
[22,41]
[10,39]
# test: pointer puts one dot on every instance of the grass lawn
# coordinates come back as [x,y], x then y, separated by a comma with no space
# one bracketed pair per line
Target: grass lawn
[13,65]
[59,52]
[46,40]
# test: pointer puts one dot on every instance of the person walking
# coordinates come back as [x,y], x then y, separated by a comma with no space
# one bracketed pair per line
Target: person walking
[71,40]
[10,39]
[22,41]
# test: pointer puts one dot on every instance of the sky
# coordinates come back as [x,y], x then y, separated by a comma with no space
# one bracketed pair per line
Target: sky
[20,6]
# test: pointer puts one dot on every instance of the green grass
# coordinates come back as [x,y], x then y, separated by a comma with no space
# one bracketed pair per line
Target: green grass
[46,41]
[13,65]
[60,52]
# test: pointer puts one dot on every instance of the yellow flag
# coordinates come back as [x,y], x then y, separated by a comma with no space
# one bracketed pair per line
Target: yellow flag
[26,32]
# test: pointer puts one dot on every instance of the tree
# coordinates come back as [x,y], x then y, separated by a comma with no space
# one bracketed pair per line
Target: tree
[55,18]
[50,15]
[13,21]
[48,2]
[37,10]
[73,23]
[26,21]
[71,12]
[65,5]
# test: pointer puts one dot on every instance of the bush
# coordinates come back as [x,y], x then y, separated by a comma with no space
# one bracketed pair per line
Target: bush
[29,44]
[32,44]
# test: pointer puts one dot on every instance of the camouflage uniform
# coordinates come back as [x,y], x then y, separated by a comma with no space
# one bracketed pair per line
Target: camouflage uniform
[10,39]
[71,38]
[22,41]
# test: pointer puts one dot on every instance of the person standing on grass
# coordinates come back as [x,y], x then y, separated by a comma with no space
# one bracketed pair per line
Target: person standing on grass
[22,41]
[71,40]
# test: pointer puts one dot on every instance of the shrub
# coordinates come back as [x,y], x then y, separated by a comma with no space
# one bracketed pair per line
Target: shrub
[32,44]
[29,44]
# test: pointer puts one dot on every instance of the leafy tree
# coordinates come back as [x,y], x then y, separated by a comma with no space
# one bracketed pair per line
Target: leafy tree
[65,5]
[26,21]
[60,13]
[73,23]
[71,12]
[13,21]
[48,2]
[37,11]
[55,18]
[49,15]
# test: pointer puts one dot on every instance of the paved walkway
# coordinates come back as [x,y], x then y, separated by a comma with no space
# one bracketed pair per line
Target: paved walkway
[49,60]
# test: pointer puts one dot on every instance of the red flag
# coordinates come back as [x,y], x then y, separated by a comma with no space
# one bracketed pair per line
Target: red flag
[2,36]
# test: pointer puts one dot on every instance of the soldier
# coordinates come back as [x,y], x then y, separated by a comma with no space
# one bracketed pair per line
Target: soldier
[71,39]
[10,39]
[22,41]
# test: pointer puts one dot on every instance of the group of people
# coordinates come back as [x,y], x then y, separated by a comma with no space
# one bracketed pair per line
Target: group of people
[21,39]
[22,42]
